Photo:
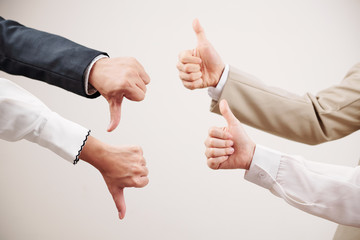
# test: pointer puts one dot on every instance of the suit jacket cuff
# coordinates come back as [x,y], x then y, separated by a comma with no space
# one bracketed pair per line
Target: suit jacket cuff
[215,92]
[89,89]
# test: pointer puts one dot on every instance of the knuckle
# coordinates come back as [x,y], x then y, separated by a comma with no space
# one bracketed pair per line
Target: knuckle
[207,152]
[211,142]
[211,152]
[140,159]
[211,164]
[137,169]
[211,131]
[136,149]
[191,86]
[183,55]
[146,181]
[128,75]
[228,151]
[222,134]
[132,60]
[134,181]
[206,142]
[146,171]
[192,76]
[186,68]
[143,182]
[133,169]
[186,84]
[141,97]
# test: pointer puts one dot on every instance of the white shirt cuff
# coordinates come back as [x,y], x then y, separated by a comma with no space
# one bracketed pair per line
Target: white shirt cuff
[63,137]
[89,89]
[264,167]
[215,92]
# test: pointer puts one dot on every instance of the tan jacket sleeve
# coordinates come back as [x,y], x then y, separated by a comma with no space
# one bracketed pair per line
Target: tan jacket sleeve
[331,114]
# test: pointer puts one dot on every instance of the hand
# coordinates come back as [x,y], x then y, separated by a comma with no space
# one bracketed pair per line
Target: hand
[116,78]
[229,147]
[120,167]
[201,67]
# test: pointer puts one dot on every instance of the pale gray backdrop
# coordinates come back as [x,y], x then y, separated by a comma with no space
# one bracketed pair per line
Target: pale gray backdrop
[297,45]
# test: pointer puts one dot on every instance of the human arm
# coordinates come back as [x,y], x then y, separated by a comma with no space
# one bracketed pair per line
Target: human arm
[120,166]
[66,64]
[116,78]
[328,191]
[331,114]
[23,116]
[44,56]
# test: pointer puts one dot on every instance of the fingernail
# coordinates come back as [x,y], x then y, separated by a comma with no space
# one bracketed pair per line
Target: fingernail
[231,143]
[231,150]
[120,215]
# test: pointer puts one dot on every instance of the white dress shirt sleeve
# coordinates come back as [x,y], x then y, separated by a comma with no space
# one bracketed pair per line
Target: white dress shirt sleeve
[328,191]
[23,116]
[215,92]
[89,89]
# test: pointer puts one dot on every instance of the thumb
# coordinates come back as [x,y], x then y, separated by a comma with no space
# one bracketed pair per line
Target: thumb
[199,31]
[115,113]
[227,114]
[120,202]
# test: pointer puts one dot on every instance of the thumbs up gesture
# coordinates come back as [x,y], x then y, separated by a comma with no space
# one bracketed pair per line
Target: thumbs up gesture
[200,67]
[229,147]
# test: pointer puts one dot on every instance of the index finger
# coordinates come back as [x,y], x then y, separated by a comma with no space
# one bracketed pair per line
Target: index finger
[220,133]
[141,71]
[143,75]
[187,57]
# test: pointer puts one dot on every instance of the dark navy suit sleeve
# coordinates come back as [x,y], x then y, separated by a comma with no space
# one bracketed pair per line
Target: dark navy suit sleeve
[43,56]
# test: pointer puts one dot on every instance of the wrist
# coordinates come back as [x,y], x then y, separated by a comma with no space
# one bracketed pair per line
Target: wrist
[245,158]
[252,151]
[218,76]
[93,153]
[95,73]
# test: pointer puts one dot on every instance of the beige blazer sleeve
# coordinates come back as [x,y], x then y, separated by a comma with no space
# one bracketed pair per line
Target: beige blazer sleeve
[331,114]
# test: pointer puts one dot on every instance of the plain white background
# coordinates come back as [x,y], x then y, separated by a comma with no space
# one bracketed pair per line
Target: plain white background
[301,46]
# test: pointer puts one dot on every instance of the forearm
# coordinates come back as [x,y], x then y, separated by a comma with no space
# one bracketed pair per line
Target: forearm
[328,191]
[43,56]
[23,116]
[329,115]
